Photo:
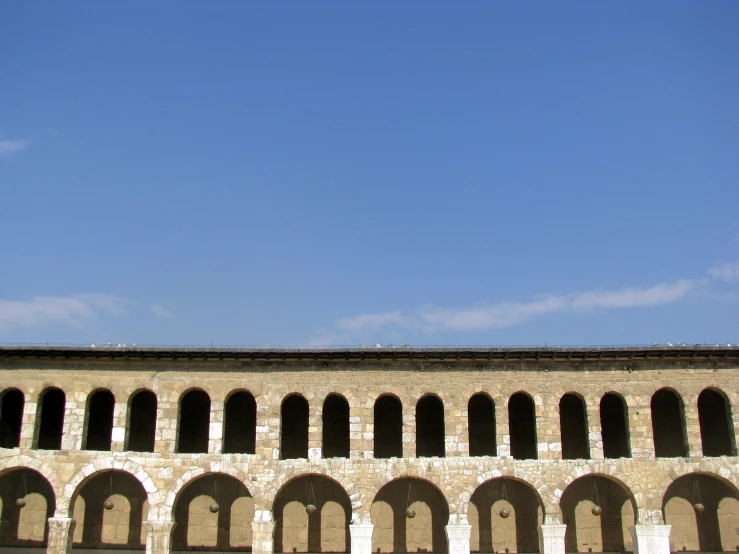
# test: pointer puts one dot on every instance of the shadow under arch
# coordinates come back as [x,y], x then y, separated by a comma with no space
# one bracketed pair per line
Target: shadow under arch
[591,532]
[117,527]
[324,530]
[704,531]
[198,527]
[25,526]
[395,532]
[515,533]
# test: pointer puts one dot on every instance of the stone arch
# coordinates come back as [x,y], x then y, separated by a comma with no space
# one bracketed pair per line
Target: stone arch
[193,425]
[532,479]
[12,402]
[46,470]
[295,417]
[64,504]
[26,525]
[335,415]
[430,426]
[99,418]
[614,425]
[141,416]
[326,529]
[163,511]
[669,431]
[606,530]
[573,424]
[716,422]
[239,422]
[606,470]
[387,411]
[345,481]
[522,426]
[481,425]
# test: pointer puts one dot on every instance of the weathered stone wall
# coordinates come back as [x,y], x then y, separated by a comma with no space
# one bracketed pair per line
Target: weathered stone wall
[167,477]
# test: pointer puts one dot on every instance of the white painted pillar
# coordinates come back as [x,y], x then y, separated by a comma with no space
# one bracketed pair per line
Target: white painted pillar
[361,535]
[552,538]
[215,431]
[458,538]
[651,539]
[263,531]
[158,536]
[61,531]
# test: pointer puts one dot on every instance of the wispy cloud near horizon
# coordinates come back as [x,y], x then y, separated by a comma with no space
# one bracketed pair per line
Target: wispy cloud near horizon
[73,310]
[8,147]
[161,311]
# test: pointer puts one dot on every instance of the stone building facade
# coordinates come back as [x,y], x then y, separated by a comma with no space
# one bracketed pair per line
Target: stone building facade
[502,450]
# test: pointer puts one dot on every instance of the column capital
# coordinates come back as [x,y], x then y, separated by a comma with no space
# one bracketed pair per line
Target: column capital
[60,535]
[159,526]
[158,536]
[458,538]
[552,538]
[651,539]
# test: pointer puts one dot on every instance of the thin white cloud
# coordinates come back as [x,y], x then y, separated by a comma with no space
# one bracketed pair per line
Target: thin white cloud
[71,310]
[499,315]
[161,311]
[8,147]
[726,272]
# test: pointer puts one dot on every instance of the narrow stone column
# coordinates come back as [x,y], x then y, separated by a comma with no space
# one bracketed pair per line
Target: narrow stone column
[640,430]
[692,426]
[361,434]
[315,431]
[361,535]
[60,535]
[215,432]
[118,436]
[651,539]
[502,433]
[458,538]
[595,432]
[74,421]
[28,423]
[158,536]
[409,430]
[165,433]
[552,538]
[263,530]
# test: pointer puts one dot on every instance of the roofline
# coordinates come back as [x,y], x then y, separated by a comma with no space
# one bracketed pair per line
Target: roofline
[467,354]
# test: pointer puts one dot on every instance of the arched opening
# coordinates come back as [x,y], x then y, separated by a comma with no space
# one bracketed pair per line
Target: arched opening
[394,531]
[481,418]
[598,512]
[213,512]
[335,427]
[430,427]
[50,418]
[194,424]
[668,425]
[294,428]
[614,426]
[702,510]
[11,418]
[522,424]
[300,528]
[504,514]
[99,424]
[24,524]
[240,432]
[716,423]
[388,427]
[142,421]
[573,424]
[109,508]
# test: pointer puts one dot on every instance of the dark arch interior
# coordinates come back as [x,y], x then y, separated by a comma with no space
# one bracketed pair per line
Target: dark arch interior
[225,490]
[51,419]
[335,427]
[574,428]
[715,419]
[194,424]
[614,427]
[388,427]
[396,495]
[610,496]
[522,423]
[430,427]
[668,425]
[15,484]
[95,491]
[481,417]
[99,420]
[11,418]
[240,429]
[316,490]
[709,491]
[526,507]
[142,422]
[294,428]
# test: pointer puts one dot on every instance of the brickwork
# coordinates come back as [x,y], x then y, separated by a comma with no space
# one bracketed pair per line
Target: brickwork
[633,488]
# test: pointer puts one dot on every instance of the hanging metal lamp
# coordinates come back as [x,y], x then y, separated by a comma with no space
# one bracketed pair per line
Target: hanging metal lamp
[505,511]
[410,513]
[597,510]
[20,502]
[214,506]
[109,504]
[311,508]
[697,504]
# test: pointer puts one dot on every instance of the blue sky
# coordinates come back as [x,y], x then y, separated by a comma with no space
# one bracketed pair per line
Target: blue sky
[344,173]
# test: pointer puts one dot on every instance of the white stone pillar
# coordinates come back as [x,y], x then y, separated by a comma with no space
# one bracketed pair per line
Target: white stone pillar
[361,535]
[118,435]
[158,536]
[61,531]
[458,538]
[74,421]
[215,432]
[552,538]
[263,531]
[651,539]
[28,423]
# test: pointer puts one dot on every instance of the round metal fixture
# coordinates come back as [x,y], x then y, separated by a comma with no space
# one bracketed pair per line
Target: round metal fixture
[597,510]
[504,513]
[311,509]
[214,507]
[20,502]
[108,504]
[410,513]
